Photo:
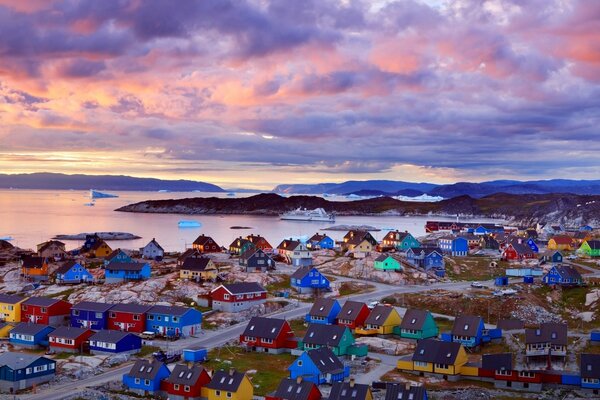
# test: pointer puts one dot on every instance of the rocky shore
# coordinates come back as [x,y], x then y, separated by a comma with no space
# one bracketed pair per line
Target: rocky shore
[102,235]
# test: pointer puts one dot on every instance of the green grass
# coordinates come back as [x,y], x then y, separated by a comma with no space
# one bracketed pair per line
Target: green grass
[64,295]
[271,368]
[63,356]
[473,268]
[444,324]
[147,350]
[280,286]
[298,326]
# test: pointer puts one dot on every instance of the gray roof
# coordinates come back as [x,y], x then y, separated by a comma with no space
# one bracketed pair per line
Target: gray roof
[17,361]
[10,298]
[497,362]
[33,262]
[568,271]
[325,360]
[289,244]
[399,391]
[325,335]
[425,250]
[132,308]
[291,389]
[40,301]
[262,327]
[379,314]
[125,266]
[29,328]
[590,365]
[68,332]
[182,375]
[383,257]
[522,248]
[594,244]
[226,380]
[301,272]
[195,263]
[509,324]
[322,307]
[349,391]
[414,319]
[466,325]
[550,332]
[109,336]
[92,306]
[436,351]
[145,369]
[243,287]
[351,309]
[170,310]
[66,267]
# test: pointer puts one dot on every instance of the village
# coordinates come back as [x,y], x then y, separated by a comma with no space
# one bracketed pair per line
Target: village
[467,307]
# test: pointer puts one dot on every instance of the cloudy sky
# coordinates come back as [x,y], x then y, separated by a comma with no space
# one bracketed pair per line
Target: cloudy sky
[251,93]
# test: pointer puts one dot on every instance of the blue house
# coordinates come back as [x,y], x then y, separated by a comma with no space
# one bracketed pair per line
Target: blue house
[319,366]
[470,331]
[308,279]
[73,272]
[27,334]
[19,371]
[117,255]
[595,337]
[173,321]
[532,245]
[319,241]
[428,258]
[145,377]
[455,246]
[323,311]
[91,315]
[563,275]
[126,271]
[552,256]
[115,342]
[590,371]
[586,228]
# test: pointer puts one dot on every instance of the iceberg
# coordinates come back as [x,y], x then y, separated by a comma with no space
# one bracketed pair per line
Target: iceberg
[189,224]
[6,238]
[94,194]
[231,194]
[421,198]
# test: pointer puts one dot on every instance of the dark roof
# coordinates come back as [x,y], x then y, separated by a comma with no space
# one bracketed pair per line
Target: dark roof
[16,361]
[10,298]
[182,375]
[188,253]
[590,365]
[510,324]
[414,319]
[28,328]
[33,262]
[145,369]
[92,306]
[379,314]
[425,250]
[69,332]
[329,335]
[497,362]
[466,325]
[399,391]
[436,351]
[263,327]
[322,307]
[549,332]
[110,336]
[41,301]
[254,239]
[317,237]
[195,263]
[301,272]
[45,245]
[170,310]
[241,242]
[289,244]
[349,391]
[521,248]
[226,380]
[291,389]
[594,244]
[393,234]
[243,287]
[97,244]
[383,257]
[350,310]
[63,269]
[132,308]
[568,271]
[113,254]
[251,251]
[126,266]
[325,360]
[202,240]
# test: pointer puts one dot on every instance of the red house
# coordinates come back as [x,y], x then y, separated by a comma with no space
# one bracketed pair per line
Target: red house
[518,251]
[295,389]
[47,311]
[353,314]
[128,317]
[269,335]
[206,244]
[186,382]
[234,297]
[69,339]
[260,243]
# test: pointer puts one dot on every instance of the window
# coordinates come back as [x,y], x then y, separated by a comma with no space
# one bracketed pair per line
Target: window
[420,363]
[176,386]
[175,319]
[136,317]
[228,395]
[137,381]
[24,307]
[150,317]
[76,313]
[44,310]
[186,388]
[28,371]
[225,297]
[217,393]
[147,382]
[113,315]
[299,363]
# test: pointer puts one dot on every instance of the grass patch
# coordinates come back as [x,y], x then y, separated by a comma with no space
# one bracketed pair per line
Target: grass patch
[444,324]
[64,295]
[147,350]
[270,368]
[63,356]
[299,326]
[473,268]
[275,287]
[348,288]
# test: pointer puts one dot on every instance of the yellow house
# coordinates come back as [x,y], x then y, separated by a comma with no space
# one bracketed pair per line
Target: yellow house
[5,329]
[561,242]
[435,356]
[381,321]
[100,249]
[198,269]
[228,385]
[10,307]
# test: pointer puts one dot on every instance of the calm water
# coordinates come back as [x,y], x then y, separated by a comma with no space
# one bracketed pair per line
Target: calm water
[33,216]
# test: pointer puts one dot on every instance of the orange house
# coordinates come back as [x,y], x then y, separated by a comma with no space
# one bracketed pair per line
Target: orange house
[100,250]
[35,268]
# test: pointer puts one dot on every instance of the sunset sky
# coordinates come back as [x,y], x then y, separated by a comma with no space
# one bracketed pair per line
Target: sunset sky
[255,93]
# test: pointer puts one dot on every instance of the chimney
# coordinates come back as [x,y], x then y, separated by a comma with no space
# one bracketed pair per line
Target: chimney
[299,380]
[407,386]
[351,382]
[231,371]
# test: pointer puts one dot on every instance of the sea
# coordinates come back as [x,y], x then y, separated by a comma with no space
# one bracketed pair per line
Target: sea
[30,217]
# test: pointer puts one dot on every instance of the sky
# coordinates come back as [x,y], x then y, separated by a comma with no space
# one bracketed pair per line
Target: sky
[253,93]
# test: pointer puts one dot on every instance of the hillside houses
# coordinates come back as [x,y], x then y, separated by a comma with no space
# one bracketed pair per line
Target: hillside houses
[294,252]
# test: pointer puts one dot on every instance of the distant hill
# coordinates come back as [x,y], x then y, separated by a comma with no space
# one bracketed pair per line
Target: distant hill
[382,186]
[46,180]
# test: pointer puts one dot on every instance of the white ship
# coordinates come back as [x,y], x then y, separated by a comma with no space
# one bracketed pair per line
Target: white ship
[302,214]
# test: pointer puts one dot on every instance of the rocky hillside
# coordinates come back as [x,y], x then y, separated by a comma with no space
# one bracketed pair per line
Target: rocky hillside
[566,208]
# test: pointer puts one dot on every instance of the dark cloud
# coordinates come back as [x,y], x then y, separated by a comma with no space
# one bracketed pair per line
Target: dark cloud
[81,68]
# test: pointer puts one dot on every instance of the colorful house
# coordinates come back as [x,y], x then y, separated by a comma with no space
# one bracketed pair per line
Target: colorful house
[235,297]
[308,279]
[260,242]
[189,253]
[128,317]
[319,366]
[294,252]
[518,251]
[152,250]
[52,249]
[90,315]
[21,371]
[269,335]
[353,241]
[5,328]
[401,391]
[549,340]
[591,248]
[229,385]
[206,244]
[532,245]
[350,391]
[10,307]
[454,246]
[323,311]
[436,357]
[428,258]
[386,262]
[319,242]
[72,272]
[186,382]
[381,321]
[116,272]
[295,389]
[396,240]
[563,275]
[552,256]
[353,314]
[117,255]
[468,330]
[256,260]
[34,268]
[174,321]
[99,249]
[90,240]
[338,338]
[46,311]
[489,242]
[198,269]
[69,339]
[27,334]
[589,367]
[145,377]
[239,246]
[417,324]
[560,242]
[115,342]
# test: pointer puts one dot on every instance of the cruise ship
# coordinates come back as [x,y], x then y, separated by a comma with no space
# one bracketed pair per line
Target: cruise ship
[302,214]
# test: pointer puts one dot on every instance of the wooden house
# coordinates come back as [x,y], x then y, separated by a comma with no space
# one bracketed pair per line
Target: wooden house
[234,297]
[52,249]
[117,272]
[319,242]
[353,241]
[206,244]
[563,275]
[129,317]
[436,357]
[231,384]
[256,260]
[589,367]
[294,252]
[30,335]
[561,242]
[350,391]
[454,246]
[199,269]
[319,366]
[338,338]
[45,310]
[173,321]
[239,246]
[417,324]
[99,249]
[22,371]
[260,243]
[34,268]
[10,307]
[353,314]
[145,377]
[308,279]
[295,389]
[69,339]
[269,335]
[90,315]
[186,382]
[518,252]
[108,342]
[468,330]
[323,311]
[385,262]
[152,251]
[381,321]
[72,272]
[193,253]
[551,256]
[119,256]
[549,340]
[396,240]
[590,248]
[405,391]
[5,328]
[428,258]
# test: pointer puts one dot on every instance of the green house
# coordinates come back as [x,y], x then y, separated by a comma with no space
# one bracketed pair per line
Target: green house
[387,263]
[417,324]
[338,338]
[399,241]
[591,248]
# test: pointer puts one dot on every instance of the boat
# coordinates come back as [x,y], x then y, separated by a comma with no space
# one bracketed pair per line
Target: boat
[188,224]
[94,194]
[90,204]
[302,214]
